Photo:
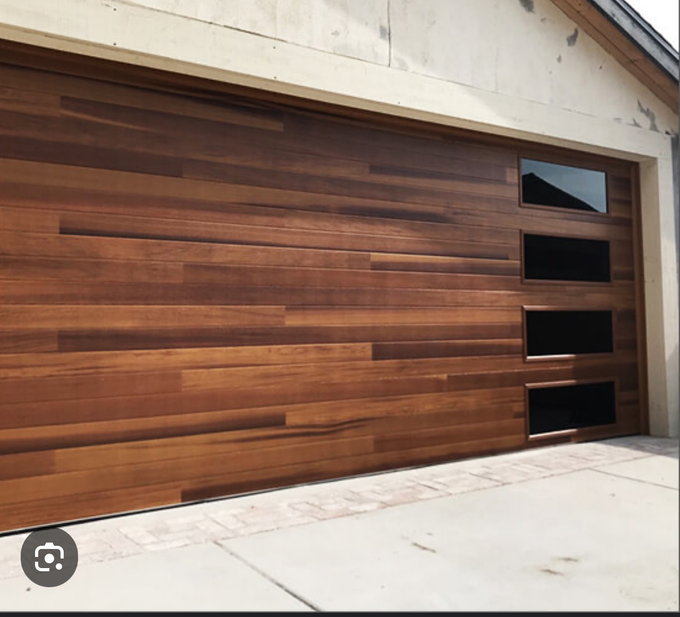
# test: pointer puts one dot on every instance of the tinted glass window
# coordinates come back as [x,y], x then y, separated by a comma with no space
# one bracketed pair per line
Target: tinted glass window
[569,407]
[568,332]
[553,258]
[547,184]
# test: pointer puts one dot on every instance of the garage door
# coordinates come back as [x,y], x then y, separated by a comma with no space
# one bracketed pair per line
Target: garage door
[207,291]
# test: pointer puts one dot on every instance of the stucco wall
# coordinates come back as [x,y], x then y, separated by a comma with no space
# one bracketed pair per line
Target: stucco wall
[485,65]
[524,48]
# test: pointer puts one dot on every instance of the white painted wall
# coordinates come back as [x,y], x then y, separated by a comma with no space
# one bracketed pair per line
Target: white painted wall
[506,46]
[486,65]
[353,28]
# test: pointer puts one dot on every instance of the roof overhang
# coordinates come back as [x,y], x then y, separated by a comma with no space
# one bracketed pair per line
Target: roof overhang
[621,31]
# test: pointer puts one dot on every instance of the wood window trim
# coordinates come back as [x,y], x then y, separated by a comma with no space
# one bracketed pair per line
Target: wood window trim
[574,356]
[571,433]
[526,281]
[640,300]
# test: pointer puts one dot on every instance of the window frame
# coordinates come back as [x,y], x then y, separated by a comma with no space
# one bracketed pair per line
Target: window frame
[573,356]
[555,160]
[526,281]
[586,432]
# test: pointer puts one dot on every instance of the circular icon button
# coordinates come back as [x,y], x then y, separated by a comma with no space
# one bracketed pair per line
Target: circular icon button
[49,557]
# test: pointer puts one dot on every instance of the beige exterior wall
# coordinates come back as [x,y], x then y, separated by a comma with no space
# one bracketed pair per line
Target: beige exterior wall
[513,67]
[523,49]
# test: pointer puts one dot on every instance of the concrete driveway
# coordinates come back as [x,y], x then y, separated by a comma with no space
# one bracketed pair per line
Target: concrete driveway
[578,527]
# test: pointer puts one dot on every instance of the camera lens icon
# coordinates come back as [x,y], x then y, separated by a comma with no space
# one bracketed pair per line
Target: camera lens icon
[49,557]
[48,553]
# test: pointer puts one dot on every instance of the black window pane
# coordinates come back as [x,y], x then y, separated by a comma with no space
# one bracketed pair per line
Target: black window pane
[569,332]
[547,184]
[566,259]
[570,407]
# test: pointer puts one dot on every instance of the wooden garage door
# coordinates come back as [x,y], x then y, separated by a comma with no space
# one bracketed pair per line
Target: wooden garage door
[207,291]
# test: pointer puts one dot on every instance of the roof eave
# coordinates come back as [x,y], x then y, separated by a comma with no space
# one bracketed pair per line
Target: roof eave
[642,34]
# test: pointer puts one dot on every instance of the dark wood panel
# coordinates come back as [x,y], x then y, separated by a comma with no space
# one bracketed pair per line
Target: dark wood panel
[463,193]
[295,277]
[226,233]
[129,249]
[88,156]
[208,290]
[31,180]
[431,263]
[18,99]
[143,293]
[147,338]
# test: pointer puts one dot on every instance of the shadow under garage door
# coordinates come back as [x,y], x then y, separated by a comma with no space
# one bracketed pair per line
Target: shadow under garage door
[207,290]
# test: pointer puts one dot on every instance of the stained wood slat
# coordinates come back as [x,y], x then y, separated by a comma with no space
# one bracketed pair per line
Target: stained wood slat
[130,249]
[65,388]
[229,484]
[65,411]
[142,293]
[28,342]
[16,219]
[88,156]
[145,474]
[46,365]
[43,268]
[147,338]
[289,277]
[207,290]
[75,435]
[224,233]
[92,504]
[304,315]
[18,317]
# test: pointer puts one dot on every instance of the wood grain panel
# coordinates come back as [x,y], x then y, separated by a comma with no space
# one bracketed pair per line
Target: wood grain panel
[130,249]
[619,296]
[18,317]
[234,483]
[46,364]
[208,290]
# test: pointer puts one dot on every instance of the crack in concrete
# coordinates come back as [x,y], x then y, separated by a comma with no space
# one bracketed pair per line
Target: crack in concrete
[271,579]
[616,475]
[422,547]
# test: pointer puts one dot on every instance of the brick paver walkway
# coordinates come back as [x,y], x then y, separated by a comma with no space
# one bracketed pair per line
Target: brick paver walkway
[127,535]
